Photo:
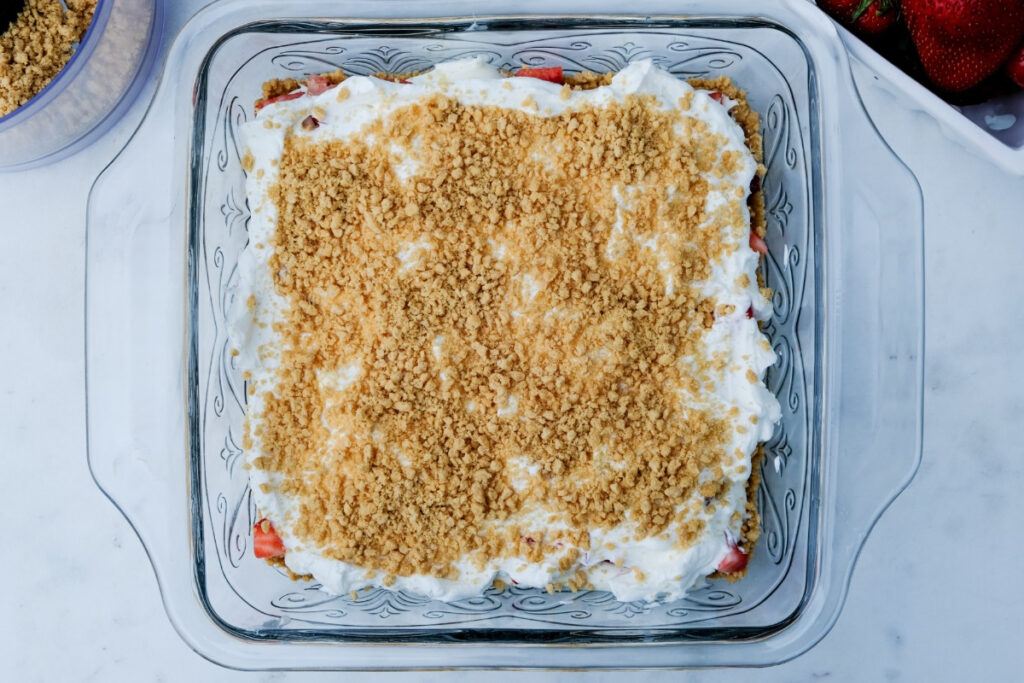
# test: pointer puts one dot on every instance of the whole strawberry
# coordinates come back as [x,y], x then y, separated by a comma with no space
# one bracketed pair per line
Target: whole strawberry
[863,17]
[1015,66]
[962,42]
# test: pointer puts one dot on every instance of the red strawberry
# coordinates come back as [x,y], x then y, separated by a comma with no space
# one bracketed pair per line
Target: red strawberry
[549,73]
[734,561]
[961,42]
[717,96]
[864,17]
[280,98]
[1015,66]
[265,541]
[317,84]
[758,244]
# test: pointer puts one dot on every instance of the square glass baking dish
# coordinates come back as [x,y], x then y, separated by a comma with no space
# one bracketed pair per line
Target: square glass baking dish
[167,221]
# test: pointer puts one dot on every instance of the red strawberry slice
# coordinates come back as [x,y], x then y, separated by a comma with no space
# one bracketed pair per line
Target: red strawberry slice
[758,244]
[717,96]
[280,98]
[316,84]
[750,312]
[962,42]
[547,73]
[265,541]
[735,560]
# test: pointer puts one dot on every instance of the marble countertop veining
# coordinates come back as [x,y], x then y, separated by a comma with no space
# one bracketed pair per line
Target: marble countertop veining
[937,592]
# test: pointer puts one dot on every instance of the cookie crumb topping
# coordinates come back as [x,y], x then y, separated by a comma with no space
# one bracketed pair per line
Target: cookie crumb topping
[501,350]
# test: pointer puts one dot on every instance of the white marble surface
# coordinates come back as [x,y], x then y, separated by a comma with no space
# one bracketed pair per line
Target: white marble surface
[937,592]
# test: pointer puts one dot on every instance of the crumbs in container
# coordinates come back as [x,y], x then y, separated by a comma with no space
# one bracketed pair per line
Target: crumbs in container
[37,45]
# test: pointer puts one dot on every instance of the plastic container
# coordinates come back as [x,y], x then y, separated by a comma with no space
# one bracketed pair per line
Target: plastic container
[88,95]
[167,221]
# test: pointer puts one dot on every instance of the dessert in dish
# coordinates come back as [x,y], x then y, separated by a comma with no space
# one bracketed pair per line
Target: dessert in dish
[504,329]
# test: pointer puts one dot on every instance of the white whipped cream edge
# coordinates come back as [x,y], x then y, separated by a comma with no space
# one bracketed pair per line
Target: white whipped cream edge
[665,571]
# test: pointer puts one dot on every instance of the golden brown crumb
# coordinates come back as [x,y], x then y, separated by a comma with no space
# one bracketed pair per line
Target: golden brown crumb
[396,78]
[36,47]
[450,340]
[279,86]
[587,80]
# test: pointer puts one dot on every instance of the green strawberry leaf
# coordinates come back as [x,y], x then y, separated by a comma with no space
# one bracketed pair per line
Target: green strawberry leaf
[861,9]
[884,7]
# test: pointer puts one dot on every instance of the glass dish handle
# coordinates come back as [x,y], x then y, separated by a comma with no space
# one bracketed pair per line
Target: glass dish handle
[876,437]
[134,333]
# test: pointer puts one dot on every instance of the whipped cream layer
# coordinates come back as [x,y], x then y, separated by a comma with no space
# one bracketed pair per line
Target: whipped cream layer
[631,568]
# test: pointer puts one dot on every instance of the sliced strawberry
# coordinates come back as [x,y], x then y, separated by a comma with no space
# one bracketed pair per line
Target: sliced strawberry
[318,84]
[750,312]
[717,96]
[547,73]
[734,561]
[265,541]
[758,244]
[280,98]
